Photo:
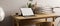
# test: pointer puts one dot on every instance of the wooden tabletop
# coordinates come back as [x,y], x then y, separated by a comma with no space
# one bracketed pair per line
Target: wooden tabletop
[37,16]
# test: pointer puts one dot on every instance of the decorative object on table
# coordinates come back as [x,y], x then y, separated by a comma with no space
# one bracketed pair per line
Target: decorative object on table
[30,4]
[56,10]
[30,0]
[16,13]
[35,8]
[47,10]
[27,12]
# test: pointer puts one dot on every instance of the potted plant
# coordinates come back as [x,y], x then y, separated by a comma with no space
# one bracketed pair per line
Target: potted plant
[30,4]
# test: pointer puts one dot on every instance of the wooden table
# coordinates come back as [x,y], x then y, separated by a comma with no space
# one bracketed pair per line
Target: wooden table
[37,16]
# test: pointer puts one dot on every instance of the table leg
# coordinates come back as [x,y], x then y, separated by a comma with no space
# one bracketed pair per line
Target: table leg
[53,19]
[46,19]
[17,22]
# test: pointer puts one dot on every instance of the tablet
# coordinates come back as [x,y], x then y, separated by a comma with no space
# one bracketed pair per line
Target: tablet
[27,12]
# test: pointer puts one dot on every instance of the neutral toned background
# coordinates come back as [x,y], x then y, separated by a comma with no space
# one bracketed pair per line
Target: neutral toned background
[12,6]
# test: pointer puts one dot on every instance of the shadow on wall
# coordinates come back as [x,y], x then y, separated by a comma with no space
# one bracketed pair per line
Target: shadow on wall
[7,21]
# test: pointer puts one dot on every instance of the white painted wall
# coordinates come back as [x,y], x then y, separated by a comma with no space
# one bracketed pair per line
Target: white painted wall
[12,6]
[52,3]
